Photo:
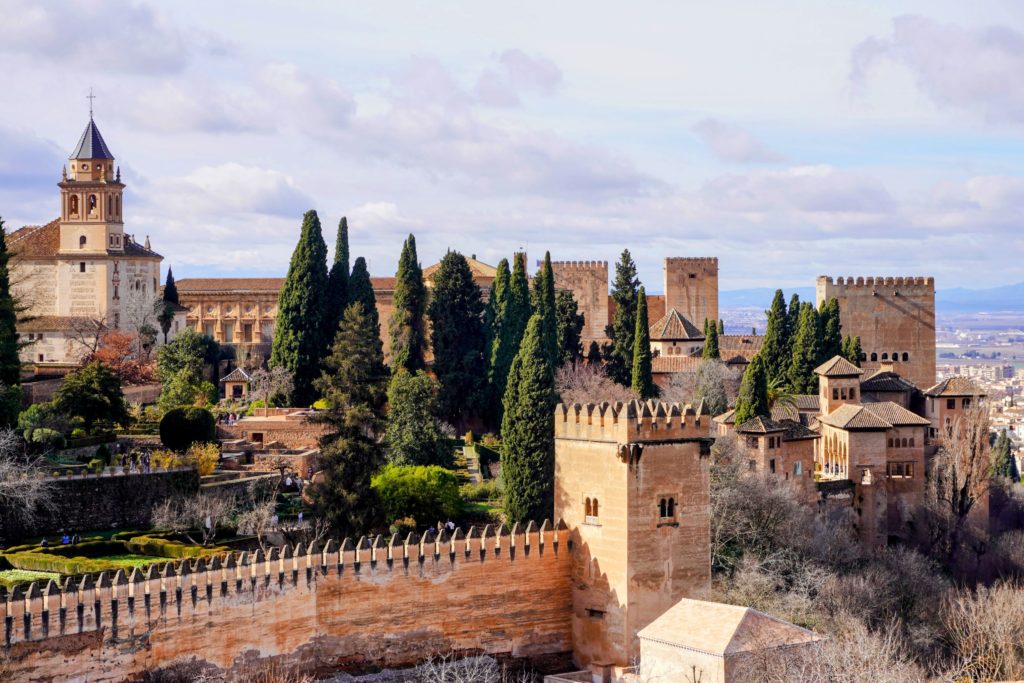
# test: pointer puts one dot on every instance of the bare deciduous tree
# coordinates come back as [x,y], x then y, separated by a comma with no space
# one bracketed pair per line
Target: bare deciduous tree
[265,384]
[984,630]
[25,491]
[589,384]
[196,517]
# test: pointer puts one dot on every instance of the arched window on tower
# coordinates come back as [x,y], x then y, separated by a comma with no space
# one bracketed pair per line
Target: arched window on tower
[117,206]
[92,204]
[874,356]
[671,507]
[73,205]
[110,205]
[906,356]
[885,356]
[81,242]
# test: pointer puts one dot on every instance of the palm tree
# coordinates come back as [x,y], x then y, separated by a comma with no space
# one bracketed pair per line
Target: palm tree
[779,394]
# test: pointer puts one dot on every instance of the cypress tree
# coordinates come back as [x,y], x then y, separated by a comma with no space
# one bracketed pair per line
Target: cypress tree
[10,344]
[337,281]
[570,325]
[642,381]
[721,327]
[806,353]
[593,354]
[353,386]
[544,304]
[831,330]
[457,338]
[413,435]
[298,335]
[494,311]
[509,335]
[753,397]
[855,351]
[527,431]
[170,289]
[407,325]
[775,349]
[792,323]
[619,361]
[360,290]
[711,343]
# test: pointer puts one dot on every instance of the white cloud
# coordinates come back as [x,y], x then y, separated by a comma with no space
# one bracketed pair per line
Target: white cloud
[172,107]
[231,189]
[732,143]
[973,69]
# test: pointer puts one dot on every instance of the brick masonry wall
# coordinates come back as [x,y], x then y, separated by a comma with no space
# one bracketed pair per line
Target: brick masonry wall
[392,604]
[90,503]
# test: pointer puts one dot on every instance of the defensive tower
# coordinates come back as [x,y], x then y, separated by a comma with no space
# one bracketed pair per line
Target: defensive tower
[588,281]
[691,287]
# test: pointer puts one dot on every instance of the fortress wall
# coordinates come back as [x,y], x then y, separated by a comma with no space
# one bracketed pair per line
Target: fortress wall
[588,281]
[386,602]
[623,423]
[691,287]
[890,315]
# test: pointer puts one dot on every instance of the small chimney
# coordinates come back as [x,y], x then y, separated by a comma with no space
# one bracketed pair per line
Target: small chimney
[887,366]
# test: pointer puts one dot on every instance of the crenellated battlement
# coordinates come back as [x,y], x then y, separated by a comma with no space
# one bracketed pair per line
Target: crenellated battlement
[184,589]
[881,281]
[631,422]
[579,265]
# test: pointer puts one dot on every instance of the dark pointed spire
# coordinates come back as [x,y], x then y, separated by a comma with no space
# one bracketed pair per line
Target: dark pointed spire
[91,144]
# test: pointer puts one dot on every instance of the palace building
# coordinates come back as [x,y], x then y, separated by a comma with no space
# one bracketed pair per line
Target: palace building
[81,274]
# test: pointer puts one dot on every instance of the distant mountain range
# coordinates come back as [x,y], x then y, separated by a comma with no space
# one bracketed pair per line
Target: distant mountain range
[1007,298]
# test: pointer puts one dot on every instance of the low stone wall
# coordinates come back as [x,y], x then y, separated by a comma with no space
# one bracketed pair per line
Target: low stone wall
[287,431]
[92,502]
[347,607]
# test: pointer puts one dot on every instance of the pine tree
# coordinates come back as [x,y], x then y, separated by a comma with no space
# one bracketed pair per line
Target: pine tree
[642,381]
[831,341]
[711,351]
[299,344]
[527,431]
[353,386]
[413,435]
[170,288]
[509,335]
[806,353]
[457,338]
[775,350]
[407,325]
[544,304]
[337,282]
[570,325]
[619,361]
[594,354]
[753,396]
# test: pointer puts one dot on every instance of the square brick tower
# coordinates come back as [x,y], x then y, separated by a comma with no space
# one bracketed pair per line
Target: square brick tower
[691,287]
[588,281]
[631,482]
[894,318]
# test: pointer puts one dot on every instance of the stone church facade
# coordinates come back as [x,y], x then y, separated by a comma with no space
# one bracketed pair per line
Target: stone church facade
[81,274]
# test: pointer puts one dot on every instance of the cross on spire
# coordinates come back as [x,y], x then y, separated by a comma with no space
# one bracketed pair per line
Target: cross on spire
[90,97]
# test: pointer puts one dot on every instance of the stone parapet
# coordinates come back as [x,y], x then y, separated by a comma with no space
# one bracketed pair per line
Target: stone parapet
[631,422]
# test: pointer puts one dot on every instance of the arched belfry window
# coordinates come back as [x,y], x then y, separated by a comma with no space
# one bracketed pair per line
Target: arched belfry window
[73,205]
[671,507]
[81,242]
[587,508]
[92,203]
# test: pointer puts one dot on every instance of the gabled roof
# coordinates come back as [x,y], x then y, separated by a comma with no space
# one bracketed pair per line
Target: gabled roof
[91,144]
[236,375]
[797,431]
[726,417]
[39,242]
[737,360]
[673,326]
[897,415]
[760,425]
[886,380]
[807,401]
[723,630]
[955,386]
[852,416]
[669,364]
[57,323]
[479,269]
[837,366]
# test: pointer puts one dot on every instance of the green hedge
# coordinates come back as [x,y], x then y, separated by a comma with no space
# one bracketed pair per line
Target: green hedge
[182,427]
[45,562]
[162,547]
[91,440]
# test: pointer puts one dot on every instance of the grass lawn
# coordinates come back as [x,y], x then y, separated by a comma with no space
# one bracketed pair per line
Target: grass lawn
[129,561]
[13,577]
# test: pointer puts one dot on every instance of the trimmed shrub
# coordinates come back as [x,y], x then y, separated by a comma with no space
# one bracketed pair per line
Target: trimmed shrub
[162,547]
[103,454]
[48,438]
[425,493]
[182,427]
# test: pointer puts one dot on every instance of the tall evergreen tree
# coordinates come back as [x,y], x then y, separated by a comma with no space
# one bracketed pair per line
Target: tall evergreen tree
[711,351]
[407,325]
[753,397]
[298,335]
[337,282]
[457,338]
[792,321]
[851,350]
[527,431]
[619,361]
[721,327]
[413,435]
[806,353]
[494,311]
[544,304]
[831,330]
[1003,462]
[353,386]
[594,354]
[775,350]
[170,288]
[642,381]
[360,290]
[570,326]
[10,344]
[509,335]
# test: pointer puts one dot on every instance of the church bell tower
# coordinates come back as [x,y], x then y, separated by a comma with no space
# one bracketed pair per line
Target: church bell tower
[90,195]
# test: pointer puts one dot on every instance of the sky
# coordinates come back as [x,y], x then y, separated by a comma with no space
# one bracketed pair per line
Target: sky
[789,139]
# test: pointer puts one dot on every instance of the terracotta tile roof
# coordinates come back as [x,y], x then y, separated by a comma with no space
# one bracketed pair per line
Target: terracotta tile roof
[726,418]
[724,629]
[746,345]
[760,425]
[236,375]
[55,323]
[897,415]
[886,380]
[36,241]
[955,386]
[837,366]
[669,364]
[738,359]
[479,269]
[808,401]
[197,285]
[852,416]
[673,326]
[797,431]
